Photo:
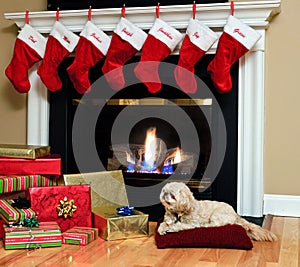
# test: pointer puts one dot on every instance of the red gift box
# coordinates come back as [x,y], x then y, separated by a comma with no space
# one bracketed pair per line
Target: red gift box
[49,165]
[51,202]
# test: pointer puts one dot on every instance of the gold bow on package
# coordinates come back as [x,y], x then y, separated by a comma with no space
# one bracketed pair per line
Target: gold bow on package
[66,208]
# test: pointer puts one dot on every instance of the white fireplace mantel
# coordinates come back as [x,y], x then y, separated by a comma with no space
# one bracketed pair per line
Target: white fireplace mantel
[256,14]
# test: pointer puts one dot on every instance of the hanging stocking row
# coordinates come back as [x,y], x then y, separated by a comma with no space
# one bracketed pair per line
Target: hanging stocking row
[93,44]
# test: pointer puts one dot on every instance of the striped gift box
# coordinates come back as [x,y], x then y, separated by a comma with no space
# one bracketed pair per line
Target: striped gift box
[79,235]
[17,183]
[48,234]
[12,215]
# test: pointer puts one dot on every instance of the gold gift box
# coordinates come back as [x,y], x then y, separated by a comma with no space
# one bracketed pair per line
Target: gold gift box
[107,188]
[23,151]
[108,192]
[112,226]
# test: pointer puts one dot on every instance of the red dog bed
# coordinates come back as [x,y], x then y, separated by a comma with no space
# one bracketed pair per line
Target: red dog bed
[228,236]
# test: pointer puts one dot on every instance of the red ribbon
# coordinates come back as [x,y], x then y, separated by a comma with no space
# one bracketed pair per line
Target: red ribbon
[57,14]
[157,10]
[194,10]
[123,11]
[232,7]
[27,17]
[90,13]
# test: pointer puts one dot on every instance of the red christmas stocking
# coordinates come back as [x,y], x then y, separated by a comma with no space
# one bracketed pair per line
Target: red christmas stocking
[198,40]
[61,42]
[126,40]
[161,41]
[236,40]
[92,47]
[29,49]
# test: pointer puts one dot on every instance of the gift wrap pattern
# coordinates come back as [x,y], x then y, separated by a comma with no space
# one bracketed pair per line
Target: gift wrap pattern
[11,215]
[79,235]
[48,165]
[18,183]
[23,151]
[48,234]
[45,201]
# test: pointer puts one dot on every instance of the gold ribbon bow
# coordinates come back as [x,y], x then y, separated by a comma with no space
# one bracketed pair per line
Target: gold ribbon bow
[66,208]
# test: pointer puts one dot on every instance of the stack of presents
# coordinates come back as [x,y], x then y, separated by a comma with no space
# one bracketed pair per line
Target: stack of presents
[41,207]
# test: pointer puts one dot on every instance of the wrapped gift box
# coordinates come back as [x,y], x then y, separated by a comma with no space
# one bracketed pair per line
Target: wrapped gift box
[48,165]
[107,187]
[112,226]
[48,234]
[72,202]
[11,214]
[79,235]
[21,182]
[108,193]
[23,151]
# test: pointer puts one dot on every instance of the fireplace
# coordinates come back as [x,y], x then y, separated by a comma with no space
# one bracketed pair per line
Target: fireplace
[178,150]
[250,79]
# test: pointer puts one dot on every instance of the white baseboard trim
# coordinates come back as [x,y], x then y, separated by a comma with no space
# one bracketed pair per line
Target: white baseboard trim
[282,205]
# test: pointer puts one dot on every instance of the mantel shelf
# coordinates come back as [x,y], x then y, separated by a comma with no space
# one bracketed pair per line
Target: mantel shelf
[256,14]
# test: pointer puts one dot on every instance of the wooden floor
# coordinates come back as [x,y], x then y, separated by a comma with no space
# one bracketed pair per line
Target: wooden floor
[143,252]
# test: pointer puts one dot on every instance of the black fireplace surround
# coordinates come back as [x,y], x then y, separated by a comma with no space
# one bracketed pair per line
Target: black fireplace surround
[63,104]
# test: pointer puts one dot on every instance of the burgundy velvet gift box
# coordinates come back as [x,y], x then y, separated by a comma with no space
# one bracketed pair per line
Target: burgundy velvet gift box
[46,200]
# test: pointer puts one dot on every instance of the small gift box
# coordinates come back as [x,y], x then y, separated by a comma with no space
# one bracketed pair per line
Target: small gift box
[113,226]
[47,234]
[48,165]
[80,235]
[15,183]
[23,151]
[69,206]
[108,194]
[11,214]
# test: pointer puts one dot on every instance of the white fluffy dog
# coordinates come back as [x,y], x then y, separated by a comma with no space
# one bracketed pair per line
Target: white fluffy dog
[183,212]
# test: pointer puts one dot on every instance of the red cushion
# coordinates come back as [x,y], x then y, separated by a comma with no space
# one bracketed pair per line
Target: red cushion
[227,236]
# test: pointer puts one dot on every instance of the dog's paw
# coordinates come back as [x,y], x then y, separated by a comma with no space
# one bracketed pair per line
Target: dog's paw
[163,228]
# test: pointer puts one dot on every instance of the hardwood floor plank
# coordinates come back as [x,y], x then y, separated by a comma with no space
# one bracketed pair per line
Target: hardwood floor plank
[289,249]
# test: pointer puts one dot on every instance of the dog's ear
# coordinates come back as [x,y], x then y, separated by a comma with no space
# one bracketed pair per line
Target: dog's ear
[185,200]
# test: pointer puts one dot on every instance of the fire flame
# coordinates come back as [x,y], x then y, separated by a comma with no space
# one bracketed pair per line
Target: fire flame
[177,158]
[150,148]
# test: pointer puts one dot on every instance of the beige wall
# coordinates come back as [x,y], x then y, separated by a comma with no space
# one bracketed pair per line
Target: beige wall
[282,141]
[12,104]
[282,126]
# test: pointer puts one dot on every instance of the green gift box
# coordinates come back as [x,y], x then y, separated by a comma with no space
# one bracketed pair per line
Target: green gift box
[11,215]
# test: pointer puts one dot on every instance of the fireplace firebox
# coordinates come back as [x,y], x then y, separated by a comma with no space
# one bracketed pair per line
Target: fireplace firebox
[187,162]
